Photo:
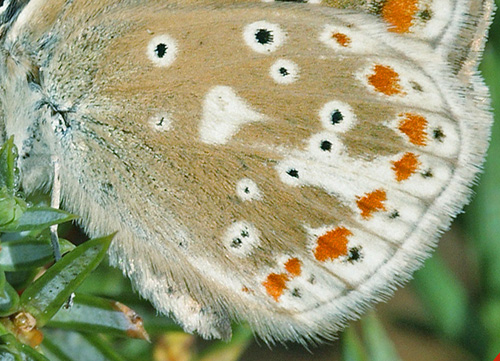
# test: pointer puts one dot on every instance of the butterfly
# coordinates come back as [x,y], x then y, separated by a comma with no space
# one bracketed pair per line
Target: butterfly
[283,163]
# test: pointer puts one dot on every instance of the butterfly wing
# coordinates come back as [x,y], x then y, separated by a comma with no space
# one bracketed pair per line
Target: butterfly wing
[457,28]
[284,164]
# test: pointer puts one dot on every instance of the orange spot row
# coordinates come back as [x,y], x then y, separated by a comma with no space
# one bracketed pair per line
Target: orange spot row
[294,267]
[406,166]
[332,244]
[399,14]
[275,283]
[385,80]
[372,202]
[413,125]
[342,39]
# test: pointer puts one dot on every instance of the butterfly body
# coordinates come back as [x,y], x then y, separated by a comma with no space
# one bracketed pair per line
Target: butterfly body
[285,164]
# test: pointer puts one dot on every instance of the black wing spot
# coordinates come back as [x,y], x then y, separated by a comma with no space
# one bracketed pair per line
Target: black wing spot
[416,86]
[425,15]
[236,243]
[296,293]
[326,146]
[336,117]
[293,173]
[284,71]
[354,254]
[161,50]
[395,214]
[264,36]
[428,174]
[438,134]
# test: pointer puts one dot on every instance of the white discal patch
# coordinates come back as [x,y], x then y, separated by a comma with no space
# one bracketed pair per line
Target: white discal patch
[224,113]
[241,238]
[162,50]
[326,147]
[337,116]
[248,190]
[263,37]
[284,71]
[160,122]
[290,172]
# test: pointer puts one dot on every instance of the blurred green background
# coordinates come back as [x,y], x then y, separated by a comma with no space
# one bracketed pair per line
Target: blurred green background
[450,311]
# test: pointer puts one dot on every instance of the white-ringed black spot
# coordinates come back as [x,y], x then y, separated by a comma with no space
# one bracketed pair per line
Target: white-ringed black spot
[238,241]
[263,37]
[247,190]
[162,50]
[160,121]
[241,238]
[284,71]
[337,116]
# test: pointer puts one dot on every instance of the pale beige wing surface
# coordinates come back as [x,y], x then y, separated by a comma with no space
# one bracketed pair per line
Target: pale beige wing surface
[283,164]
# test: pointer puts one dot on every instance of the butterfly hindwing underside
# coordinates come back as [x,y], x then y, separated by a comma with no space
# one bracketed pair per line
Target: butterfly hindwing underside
[282,163]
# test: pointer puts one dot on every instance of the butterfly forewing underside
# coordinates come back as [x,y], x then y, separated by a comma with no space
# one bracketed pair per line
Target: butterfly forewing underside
[283,163]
